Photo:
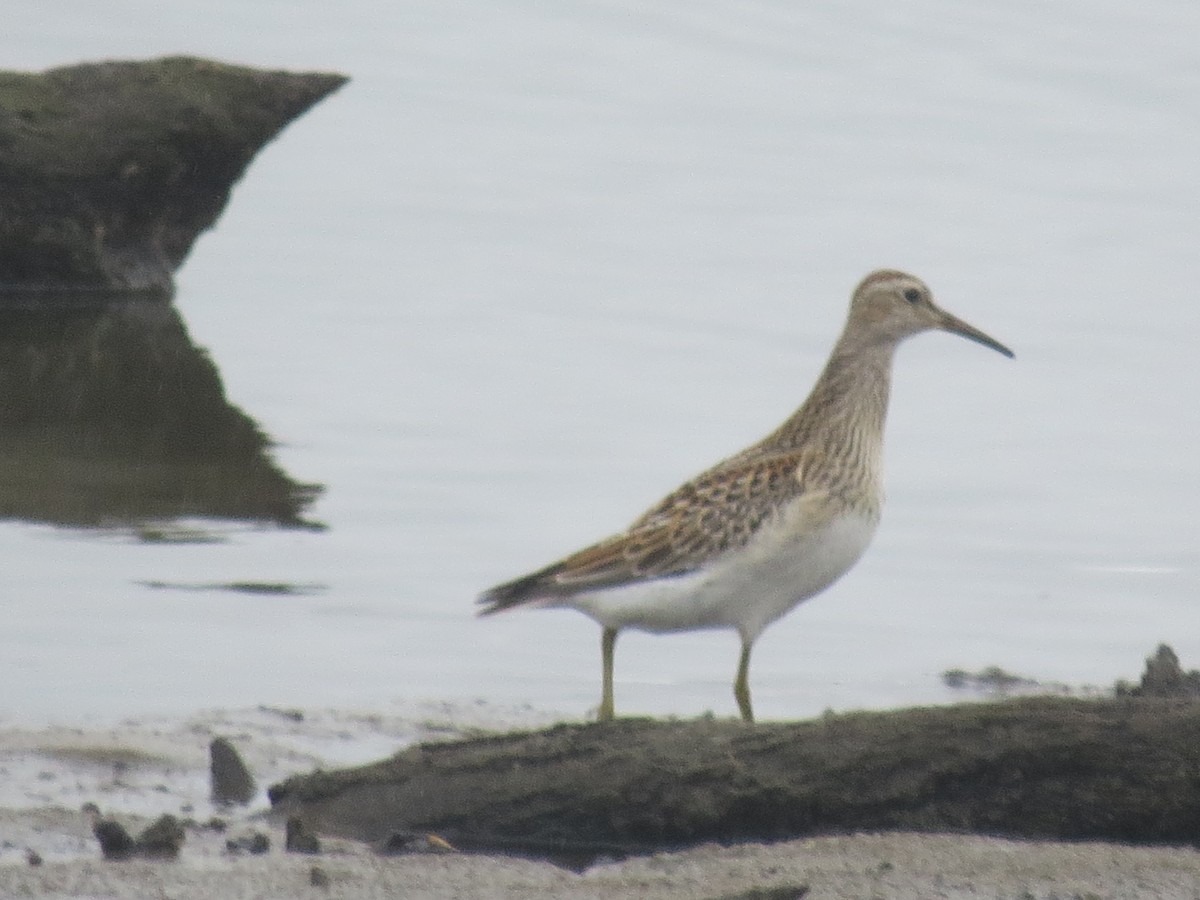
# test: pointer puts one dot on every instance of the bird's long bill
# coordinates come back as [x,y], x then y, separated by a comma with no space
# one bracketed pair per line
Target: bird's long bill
[956,325]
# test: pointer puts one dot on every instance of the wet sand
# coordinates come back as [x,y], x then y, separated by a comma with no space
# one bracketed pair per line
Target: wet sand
[891,865]
[136,770]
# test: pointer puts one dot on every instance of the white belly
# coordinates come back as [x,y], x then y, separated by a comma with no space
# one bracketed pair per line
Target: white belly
[745,590]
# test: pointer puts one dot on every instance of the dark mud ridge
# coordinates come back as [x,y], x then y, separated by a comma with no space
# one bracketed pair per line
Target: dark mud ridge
[109,171]
[1123,769]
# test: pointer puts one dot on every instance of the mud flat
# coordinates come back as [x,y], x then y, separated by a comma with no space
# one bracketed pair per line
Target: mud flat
[135,771]
[1120,769]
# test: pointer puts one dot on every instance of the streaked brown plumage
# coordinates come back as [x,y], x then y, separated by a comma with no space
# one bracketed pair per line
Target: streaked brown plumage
[744,542]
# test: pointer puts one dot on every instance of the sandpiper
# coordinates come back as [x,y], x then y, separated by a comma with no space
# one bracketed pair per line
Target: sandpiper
[743,543]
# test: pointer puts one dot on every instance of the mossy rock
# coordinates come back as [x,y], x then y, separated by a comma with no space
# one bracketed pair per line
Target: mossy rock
[109,171]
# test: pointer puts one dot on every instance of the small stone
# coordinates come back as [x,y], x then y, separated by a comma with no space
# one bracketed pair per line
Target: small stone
[318,878]
[231,780]
[402,842]
[299,839]
[255,843]
[162,838]
[33,857]
[115,842]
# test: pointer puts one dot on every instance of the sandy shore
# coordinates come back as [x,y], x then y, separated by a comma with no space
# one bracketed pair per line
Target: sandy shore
[137,770]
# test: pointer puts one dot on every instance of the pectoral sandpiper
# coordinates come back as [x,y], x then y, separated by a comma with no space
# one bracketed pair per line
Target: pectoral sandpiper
[743,543]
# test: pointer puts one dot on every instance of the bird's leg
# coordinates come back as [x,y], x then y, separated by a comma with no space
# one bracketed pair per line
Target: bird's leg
[741,685]
[608,643]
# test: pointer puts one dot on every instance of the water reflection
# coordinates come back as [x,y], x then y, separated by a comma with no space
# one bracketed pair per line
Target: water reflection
[111,416]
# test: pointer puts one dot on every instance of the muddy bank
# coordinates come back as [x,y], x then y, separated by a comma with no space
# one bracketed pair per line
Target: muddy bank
[140,770]
[1122,769]
[110,171]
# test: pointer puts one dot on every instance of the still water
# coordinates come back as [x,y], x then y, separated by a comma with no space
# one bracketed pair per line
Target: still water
[538,263]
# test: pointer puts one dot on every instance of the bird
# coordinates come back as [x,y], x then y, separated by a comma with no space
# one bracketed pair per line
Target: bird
[746,541]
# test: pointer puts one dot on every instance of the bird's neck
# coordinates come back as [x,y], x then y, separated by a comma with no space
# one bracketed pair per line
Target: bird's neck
[844,415]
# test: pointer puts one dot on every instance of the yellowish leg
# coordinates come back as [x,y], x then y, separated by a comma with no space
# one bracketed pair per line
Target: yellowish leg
[741,686]
[608,643]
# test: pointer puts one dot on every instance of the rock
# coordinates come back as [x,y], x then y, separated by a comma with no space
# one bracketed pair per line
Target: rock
[317,877]
[231,780]
[111,170]
[298,839]
[161,839]
[115,841]
[33,857]
[255,843]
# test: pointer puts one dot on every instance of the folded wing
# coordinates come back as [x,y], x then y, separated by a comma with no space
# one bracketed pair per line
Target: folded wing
[717,512]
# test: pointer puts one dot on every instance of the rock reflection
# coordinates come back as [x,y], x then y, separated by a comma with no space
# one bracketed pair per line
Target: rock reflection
[110,416]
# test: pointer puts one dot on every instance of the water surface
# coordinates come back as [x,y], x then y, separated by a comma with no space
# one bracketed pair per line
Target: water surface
[537,264]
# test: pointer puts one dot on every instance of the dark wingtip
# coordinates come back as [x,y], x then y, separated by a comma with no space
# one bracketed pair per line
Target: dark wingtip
[514,593]
[490,603]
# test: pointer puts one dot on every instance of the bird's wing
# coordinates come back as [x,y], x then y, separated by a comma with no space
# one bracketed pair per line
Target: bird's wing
[715,513]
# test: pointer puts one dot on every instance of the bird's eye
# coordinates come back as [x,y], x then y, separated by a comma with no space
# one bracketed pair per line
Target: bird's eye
[912,295]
